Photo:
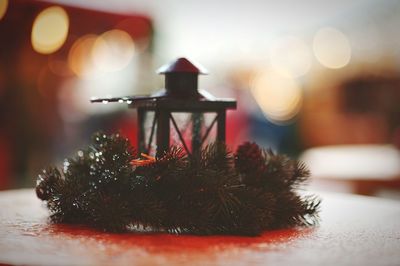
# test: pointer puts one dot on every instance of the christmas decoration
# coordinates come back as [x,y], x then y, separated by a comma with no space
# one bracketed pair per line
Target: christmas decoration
[214,192]
[196,189]
[180,96]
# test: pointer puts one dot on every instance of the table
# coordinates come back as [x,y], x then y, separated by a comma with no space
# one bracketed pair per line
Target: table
[355,230]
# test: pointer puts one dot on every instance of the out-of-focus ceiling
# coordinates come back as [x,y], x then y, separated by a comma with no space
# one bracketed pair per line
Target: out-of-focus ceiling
[225,29]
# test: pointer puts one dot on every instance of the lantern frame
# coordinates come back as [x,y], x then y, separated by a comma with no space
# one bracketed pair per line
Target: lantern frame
[179,96]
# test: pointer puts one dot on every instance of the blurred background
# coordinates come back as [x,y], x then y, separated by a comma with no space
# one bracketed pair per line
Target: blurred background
[318,80]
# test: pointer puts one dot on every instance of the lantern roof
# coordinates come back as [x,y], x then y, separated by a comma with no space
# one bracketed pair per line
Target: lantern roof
[176,97]
[182,65]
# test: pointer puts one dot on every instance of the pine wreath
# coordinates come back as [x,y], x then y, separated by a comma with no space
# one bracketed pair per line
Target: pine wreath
[106,186]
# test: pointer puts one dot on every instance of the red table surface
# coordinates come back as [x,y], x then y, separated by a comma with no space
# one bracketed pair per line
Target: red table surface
[354,230]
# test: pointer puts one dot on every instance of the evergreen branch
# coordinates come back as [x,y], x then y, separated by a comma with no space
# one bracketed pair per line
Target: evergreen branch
[213,192]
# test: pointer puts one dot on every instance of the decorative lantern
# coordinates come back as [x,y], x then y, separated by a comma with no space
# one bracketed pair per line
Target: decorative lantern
[181,96]
[227,205]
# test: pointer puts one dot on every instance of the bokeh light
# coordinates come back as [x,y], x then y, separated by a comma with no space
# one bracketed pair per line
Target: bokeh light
[3,8]
[50,30]
[278,95]
[290,55]
[92,55]
[332,48]
[59,66]
[80,56]
[113,50]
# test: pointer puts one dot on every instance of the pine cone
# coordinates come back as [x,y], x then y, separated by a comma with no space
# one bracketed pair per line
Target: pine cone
[249,158]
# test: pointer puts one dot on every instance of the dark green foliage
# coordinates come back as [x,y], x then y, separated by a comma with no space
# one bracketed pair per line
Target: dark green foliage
[214,192]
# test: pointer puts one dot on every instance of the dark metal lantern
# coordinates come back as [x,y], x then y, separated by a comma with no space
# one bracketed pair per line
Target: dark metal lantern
[181,95]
